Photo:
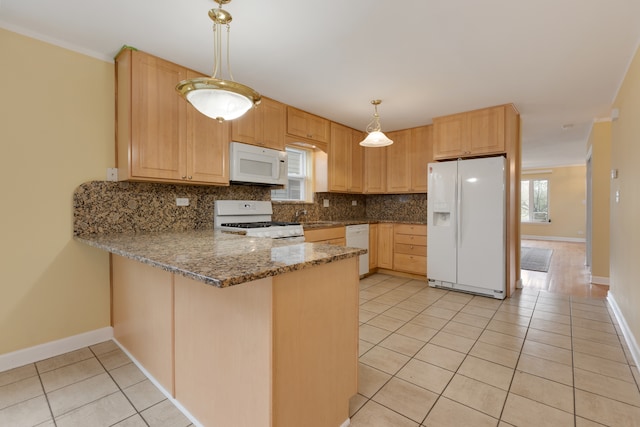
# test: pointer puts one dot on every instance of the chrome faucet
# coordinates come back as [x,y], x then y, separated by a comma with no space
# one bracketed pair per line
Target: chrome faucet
[299,213]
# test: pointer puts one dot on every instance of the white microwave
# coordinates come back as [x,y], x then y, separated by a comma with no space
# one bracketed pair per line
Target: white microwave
[257,165]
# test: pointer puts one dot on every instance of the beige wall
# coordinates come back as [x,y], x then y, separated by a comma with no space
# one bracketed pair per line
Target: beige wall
[567,209]
[600,145]
[625,230]
[56,131]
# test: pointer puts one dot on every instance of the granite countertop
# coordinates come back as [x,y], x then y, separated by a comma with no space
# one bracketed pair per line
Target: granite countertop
[338,223]
[218,258]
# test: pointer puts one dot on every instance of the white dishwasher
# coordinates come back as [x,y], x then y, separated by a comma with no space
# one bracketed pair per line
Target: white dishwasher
[357,236]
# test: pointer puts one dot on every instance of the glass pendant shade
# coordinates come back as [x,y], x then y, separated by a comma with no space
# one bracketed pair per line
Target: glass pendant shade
[376,139]
[217,98]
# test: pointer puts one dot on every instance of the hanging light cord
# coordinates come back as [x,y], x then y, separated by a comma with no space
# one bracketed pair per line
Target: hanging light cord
[217,43]
[374,125]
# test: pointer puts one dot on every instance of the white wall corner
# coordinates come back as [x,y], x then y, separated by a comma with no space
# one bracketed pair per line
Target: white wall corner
[54,348]
[632,343]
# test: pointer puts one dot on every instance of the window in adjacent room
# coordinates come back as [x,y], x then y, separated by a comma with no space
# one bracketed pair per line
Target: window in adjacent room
[534,200]
[299,184]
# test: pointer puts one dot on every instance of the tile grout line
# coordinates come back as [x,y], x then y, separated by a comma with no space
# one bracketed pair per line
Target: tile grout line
[46,395]
[120,390]
[524,339]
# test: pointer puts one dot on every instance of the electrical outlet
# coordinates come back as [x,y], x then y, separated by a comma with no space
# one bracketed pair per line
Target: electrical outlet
[325,203]
[112,174]
[182,201]
[354,203]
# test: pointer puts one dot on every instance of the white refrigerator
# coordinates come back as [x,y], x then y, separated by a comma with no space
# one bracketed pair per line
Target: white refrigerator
[466,226]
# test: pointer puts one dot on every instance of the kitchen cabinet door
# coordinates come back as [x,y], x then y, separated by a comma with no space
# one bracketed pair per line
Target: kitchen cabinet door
[485,131]
[398,162]
[151,118]
[307,125]
[345,159]
[449,135]
[373,246]
[263,125]
[160,137]
[472,133]
[385,246]
[339,157]
[207,148]
[420,155]
[375,170]
[356,175]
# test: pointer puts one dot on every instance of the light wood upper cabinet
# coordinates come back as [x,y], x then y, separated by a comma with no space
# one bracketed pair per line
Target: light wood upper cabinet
[264,125]
[160,137]
[345,159]
[356,183]
[375,170]
[420,155]
[473,133]
[403,163]
[307,125]
[399,162]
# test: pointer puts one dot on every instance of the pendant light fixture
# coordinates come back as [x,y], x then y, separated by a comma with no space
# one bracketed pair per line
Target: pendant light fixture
[375,137]
[214,97]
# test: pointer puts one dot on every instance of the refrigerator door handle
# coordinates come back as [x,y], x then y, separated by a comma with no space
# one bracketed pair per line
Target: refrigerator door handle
[458,209]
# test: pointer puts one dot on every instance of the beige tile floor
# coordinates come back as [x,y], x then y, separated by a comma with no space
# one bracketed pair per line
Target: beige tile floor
[428,357]
[93,386]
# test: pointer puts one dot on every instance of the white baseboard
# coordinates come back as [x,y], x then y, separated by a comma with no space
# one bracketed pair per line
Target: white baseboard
[164,391]
[597,280]
[346,423]
[632,343]
[54,348]
[555,238]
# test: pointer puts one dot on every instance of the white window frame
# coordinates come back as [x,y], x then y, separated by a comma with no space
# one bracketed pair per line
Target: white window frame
[305,178]
[532,219]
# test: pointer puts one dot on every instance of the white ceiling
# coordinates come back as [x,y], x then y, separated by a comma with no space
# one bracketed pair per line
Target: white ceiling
[559,61]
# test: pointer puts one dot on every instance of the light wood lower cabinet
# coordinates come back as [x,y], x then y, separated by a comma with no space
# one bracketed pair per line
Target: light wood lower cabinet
[278,351]
[142,316]
[385,246]
[410,248]
[331,235]
[373,246]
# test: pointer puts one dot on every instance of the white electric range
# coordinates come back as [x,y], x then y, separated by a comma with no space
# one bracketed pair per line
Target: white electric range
[253,218]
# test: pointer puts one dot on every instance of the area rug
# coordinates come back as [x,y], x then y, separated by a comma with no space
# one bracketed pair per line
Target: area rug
[535,259]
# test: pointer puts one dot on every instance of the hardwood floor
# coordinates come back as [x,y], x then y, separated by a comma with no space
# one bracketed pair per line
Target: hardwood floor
[567,273]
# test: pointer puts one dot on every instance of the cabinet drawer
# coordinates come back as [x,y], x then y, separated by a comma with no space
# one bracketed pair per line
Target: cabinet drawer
[409,239]
[410,263]
[322,234]
[415,229]
[401,248]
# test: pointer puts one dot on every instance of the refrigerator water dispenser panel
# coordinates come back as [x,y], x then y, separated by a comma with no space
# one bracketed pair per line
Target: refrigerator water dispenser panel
[441,219]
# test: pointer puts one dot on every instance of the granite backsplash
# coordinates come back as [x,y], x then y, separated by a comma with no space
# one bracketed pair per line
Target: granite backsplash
[125,207]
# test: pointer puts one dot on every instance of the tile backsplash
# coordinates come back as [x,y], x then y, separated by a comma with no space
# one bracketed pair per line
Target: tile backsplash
[125,207]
